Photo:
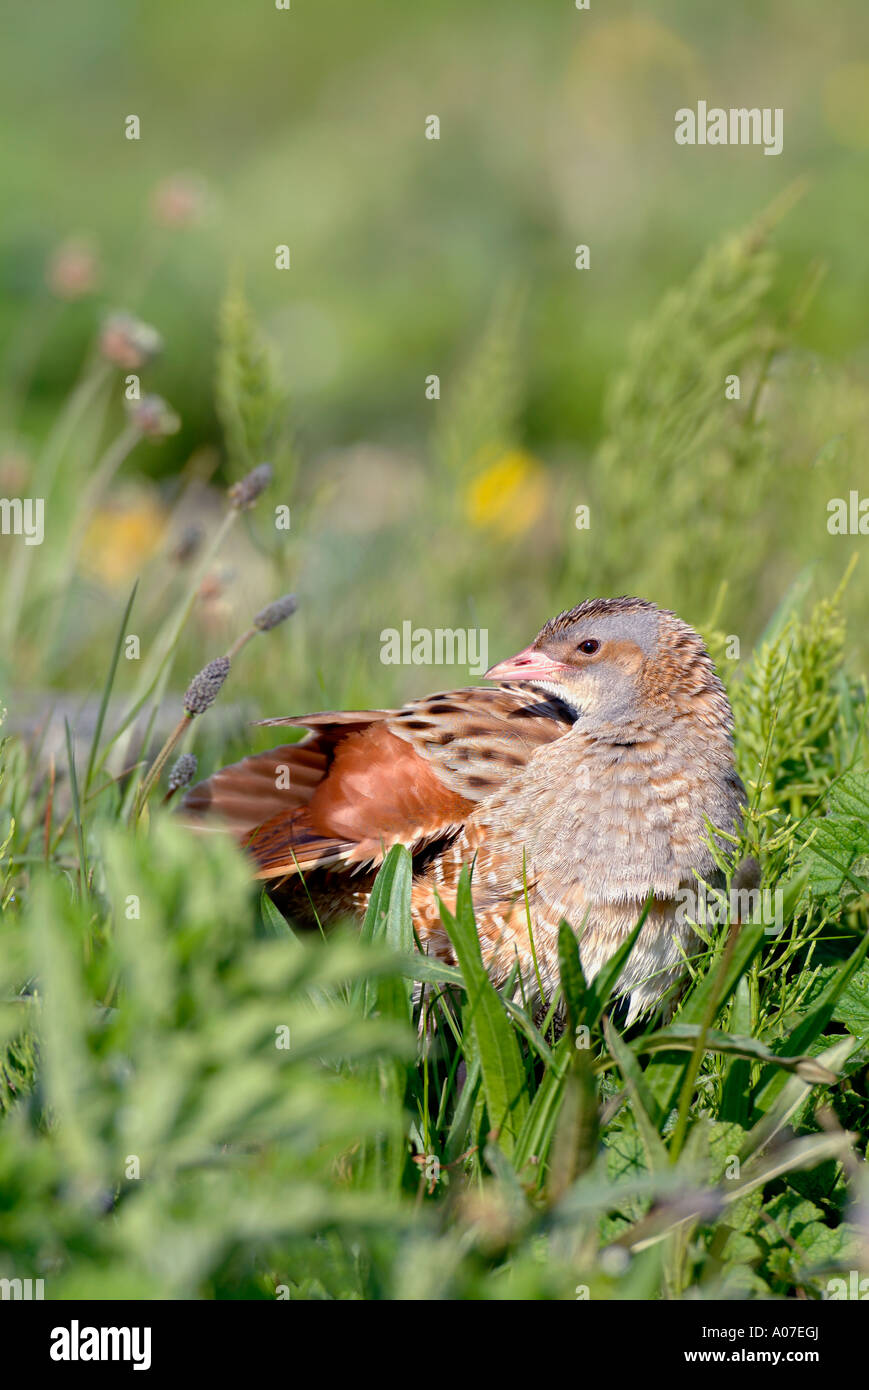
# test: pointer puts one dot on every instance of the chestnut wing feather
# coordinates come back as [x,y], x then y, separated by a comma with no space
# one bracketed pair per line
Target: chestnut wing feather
[364,781]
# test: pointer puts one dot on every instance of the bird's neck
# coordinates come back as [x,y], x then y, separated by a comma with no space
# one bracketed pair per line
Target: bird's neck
[624,808]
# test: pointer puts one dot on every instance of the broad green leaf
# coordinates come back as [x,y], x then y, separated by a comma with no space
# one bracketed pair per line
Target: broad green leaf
[836,840]
[503,1075]
[388,922]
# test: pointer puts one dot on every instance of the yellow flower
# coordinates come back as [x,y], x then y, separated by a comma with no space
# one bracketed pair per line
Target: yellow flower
[121,536]
[509,495]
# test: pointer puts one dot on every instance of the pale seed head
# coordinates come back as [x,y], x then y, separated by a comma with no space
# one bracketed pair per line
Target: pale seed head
[128,342]
[205,687]
[245,492]
[183,771]
[276,612]
[154,417]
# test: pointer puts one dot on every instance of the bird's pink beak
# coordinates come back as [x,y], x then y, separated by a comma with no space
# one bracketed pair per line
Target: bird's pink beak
[530,665]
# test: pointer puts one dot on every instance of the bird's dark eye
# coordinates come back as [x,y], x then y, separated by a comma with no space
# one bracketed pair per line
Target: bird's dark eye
[588,648]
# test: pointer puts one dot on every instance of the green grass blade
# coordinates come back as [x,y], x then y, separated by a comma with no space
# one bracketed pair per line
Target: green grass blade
[605,981]
[804,1035]
[107,688]
[737,1072]
[503,1074]
[388,922]
[537,1132]
[642,1101]
[664,1074]
[76,808]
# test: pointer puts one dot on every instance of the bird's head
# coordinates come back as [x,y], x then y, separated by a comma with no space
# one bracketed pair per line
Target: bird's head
[616,660]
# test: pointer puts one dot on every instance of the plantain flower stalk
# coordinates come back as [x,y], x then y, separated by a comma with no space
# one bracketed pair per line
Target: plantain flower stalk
[265,620]
[201,693]
[181,775]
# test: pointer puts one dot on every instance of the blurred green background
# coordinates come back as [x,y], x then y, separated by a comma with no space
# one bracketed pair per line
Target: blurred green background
[412,257]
